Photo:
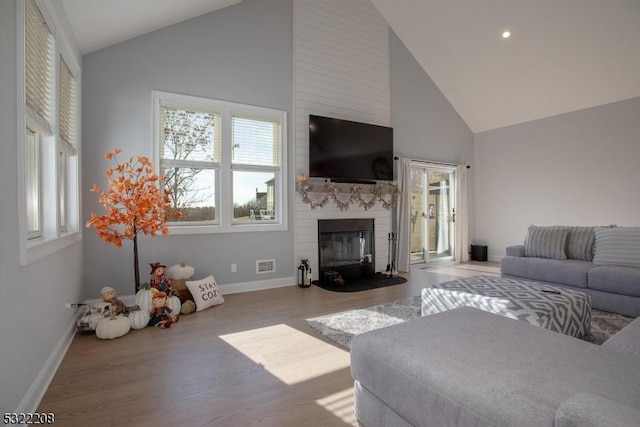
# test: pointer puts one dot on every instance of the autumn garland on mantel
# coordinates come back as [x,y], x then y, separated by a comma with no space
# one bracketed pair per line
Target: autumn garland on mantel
[385,194]
[135,204]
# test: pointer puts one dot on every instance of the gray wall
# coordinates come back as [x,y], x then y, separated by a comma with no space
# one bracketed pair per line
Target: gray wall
[425,125]
[577,168]
[244,54]
[32,298]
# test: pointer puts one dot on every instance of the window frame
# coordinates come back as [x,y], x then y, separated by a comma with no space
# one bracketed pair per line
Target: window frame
[53,237]
[224,222]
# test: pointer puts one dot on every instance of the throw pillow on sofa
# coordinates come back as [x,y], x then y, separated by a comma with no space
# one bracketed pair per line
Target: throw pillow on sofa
[617,246]
[546,242]
[580,241]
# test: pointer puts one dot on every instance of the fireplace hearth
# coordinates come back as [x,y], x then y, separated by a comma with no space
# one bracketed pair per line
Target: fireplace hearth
[346,246]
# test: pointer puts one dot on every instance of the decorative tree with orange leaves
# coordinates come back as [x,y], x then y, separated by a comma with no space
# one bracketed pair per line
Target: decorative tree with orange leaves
[135,203]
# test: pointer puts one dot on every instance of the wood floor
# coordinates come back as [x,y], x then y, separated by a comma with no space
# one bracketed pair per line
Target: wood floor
[252,361]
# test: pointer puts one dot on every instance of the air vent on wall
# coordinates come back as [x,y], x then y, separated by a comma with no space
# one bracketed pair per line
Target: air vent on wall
[265,266]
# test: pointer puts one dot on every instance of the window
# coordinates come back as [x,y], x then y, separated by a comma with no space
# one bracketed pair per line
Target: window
[39,68]
[47,145]
[33,185]
[223,163]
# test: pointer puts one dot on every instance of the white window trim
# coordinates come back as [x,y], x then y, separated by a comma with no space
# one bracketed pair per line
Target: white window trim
[225,223]
[50,243]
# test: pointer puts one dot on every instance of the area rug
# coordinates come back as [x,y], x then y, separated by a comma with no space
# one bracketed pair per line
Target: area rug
[378,280]
[342,327]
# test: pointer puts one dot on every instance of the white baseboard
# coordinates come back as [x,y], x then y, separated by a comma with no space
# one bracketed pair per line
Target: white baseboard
[258,285]
[37,390]
[229,288]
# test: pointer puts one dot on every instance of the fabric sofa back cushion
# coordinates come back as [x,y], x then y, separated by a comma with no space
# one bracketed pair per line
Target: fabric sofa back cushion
[546,242]
[580,241]
[617,246]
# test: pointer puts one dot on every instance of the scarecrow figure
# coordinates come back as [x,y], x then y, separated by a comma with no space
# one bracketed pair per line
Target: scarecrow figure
[160,314]
[158,279]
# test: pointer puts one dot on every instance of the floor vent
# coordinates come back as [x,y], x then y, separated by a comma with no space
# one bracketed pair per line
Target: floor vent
[265,266]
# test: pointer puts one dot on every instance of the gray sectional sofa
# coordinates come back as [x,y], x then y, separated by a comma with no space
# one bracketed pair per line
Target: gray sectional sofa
[603,262]
[467,367]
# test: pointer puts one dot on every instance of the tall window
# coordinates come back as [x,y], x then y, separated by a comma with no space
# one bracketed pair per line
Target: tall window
[67,130]
[39,67]
[223,163]
[47,145]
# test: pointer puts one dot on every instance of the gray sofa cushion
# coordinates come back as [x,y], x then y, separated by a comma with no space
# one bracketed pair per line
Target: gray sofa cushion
[626,341]
[615,279]
[570,272]
[617,246]
[580,241]
[546,242]
[467,367]
[590,410]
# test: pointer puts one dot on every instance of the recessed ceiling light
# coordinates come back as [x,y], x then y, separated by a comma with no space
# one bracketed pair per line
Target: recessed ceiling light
[506,34]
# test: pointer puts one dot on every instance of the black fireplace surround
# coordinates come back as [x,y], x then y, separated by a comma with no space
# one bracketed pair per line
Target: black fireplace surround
[346,246]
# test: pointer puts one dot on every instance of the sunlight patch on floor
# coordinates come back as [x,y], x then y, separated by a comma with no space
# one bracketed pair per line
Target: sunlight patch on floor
[341,405]
[288,354]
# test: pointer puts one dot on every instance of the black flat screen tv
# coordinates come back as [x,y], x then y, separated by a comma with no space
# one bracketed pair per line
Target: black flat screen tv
[346,151]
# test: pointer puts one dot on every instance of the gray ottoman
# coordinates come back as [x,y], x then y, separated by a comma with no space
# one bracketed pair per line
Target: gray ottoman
[558,309]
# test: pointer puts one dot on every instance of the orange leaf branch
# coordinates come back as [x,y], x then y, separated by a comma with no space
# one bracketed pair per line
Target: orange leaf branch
[135,202]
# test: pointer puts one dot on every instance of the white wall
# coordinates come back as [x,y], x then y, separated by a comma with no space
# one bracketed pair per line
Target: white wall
[243,54]
[341,70]
[34,325]
[578,168]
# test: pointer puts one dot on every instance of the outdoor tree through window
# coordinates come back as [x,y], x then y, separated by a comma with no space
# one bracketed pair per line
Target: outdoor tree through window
[190,159]
[223,162]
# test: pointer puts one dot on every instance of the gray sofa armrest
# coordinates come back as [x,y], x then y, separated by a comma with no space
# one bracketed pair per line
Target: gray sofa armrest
[515,250]
[590,410]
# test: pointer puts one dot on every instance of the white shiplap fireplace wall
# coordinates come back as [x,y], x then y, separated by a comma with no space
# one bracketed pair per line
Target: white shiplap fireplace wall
[341,70]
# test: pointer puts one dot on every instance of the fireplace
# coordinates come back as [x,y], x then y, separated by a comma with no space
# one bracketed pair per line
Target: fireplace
[346,246]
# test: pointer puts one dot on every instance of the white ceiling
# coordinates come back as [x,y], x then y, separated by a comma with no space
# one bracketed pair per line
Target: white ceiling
[101,23]
[563,55]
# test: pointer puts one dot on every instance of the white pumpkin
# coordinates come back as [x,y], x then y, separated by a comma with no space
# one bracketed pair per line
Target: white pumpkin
[93,319]
[143,299]
[180,271]
[174,303]
[109,329]
[138,319]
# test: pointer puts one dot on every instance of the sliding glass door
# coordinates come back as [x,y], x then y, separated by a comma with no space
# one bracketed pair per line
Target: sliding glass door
[432,212]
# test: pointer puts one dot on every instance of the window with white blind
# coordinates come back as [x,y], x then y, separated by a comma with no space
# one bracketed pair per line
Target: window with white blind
[67,116]
[48,141]
[223,163]
[39,70]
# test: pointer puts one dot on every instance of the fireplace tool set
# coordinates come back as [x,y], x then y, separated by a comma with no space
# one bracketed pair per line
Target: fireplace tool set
[391,261]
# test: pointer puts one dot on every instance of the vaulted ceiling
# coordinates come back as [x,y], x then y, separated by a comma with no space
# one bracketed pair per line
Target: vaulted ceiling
[561,56]
[101,23]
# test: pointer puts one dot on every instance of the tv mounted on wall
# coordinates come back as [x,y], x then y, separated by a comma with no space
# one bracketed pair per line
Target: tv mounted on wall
[346,151]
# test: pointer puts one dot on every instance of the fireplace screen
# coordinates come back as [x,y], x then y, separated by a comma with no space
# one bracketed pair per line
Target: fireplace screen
[346,246]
